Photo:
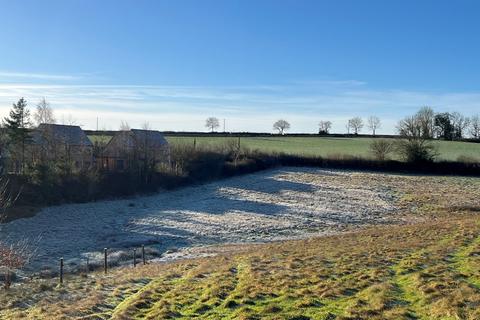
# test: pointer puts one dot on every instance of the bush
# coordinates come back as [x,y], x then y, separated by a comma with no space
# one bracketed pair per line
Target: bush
[381,148]
[416,150]
[13,256]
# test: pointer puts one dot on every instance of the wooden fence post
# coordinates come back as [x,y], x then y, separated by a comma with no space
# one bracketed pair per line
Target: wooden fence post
[143,254]
[105,262]
[61,270]
[88,264]
[134,257]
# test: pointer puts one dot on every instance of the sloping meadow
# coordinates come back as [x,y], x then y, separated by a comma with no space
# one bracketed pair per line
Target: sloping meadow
[421,262]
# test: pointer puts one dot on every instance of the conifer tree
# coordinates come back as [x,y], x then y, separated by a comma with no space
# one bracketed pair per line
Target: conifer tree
[17,126]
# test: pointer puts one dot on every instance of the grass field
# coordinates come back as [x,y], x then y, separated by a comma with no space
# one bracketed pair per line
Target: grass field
[426,269]
[322,146]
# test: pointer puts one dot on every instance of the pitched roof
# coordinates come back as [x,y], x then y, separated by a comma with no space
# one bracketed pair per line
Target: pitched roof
[154,138]
[123,141]
[71,135]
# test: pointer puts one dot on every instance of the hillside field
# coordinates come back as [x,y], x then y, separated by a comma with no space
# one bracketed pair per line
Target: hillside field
[426,267]
[320,146]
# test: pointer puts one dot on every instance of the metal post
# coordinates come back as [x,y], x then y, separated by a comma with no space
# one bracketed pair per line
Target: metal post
[134,257]
[105,262]
[88,264]
[143,254]
[61,270]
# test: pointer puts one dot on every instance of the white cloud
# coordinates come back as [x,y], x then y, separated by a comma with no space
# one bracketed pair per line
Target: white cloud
[6,75]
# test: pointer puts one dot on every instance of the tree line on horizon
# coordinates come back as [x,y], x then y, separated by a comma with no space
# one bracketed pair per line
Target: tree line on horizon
[435,125]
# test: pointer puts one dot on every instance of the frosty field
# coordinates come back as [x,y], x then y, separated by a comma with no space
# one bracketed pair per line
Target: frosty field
[287,203]
[354,245]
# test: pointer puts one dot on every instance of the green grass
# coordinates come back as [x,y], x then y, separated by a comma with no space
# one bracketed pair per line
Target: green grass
[402,272]
[100,139]
[319,146]
[324,146]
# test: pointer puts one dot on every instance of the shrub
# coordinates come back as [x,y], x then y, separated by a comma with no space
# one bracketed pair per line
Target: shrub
[12,255]
[381,149]
[415,147]
[416,151]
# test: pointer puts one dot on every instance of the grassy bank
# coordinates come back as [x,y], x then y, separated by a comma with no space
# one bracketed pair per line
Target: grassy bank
[422,271]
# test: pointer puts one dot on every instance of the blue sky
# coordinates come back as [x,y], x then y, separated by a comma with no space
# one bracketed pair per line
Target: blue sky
[173,63]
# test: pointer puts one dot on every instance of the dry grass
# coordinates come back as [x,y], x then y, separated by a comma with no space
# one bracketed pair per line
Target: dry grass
[429,269]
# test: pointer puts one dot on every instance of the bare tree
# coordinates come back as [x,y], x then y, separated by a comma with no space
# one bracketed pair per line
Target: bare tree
[212,123]
[43,113]
[69,120]
[281,126]
[3,148]
[415,145]
[143,154]
[356,124]
[381,148]
[374,124]
[324,127]
[146,126]
[460,124]
[426,119]
[124,126]
[14,255]
[5,200]
[474,129]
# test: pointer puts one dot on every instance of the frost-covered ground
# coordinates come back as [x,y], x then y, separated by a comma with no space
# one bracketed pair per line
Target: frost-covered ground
[278,204]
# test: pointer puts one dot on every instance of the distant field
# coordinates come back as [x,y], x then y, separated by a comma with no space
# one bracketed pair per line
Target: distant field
[100,139]
[324,146]
[320,146]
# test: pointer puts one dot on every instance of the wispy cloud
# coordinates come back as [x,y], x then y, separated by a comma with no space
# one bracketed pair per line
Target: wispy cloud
[245,107]
[6,75]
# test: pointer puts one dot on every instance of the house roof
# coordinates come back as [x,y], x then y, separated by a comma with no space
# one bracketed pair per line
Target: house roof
[153,137]
[71,135]
[127,140]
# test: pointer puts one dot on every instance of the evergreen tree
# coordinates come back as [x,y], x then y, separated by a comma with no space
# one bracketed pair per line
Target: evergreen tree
[444,126]
[17,126]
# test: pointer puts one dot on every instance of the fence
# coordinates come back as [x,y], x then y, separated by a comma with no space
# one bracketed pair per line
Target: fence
[104,260]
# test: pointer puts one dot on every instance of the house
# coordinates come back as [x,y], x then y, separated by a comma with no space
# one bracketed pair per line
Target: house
[135,148]
[61,143]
